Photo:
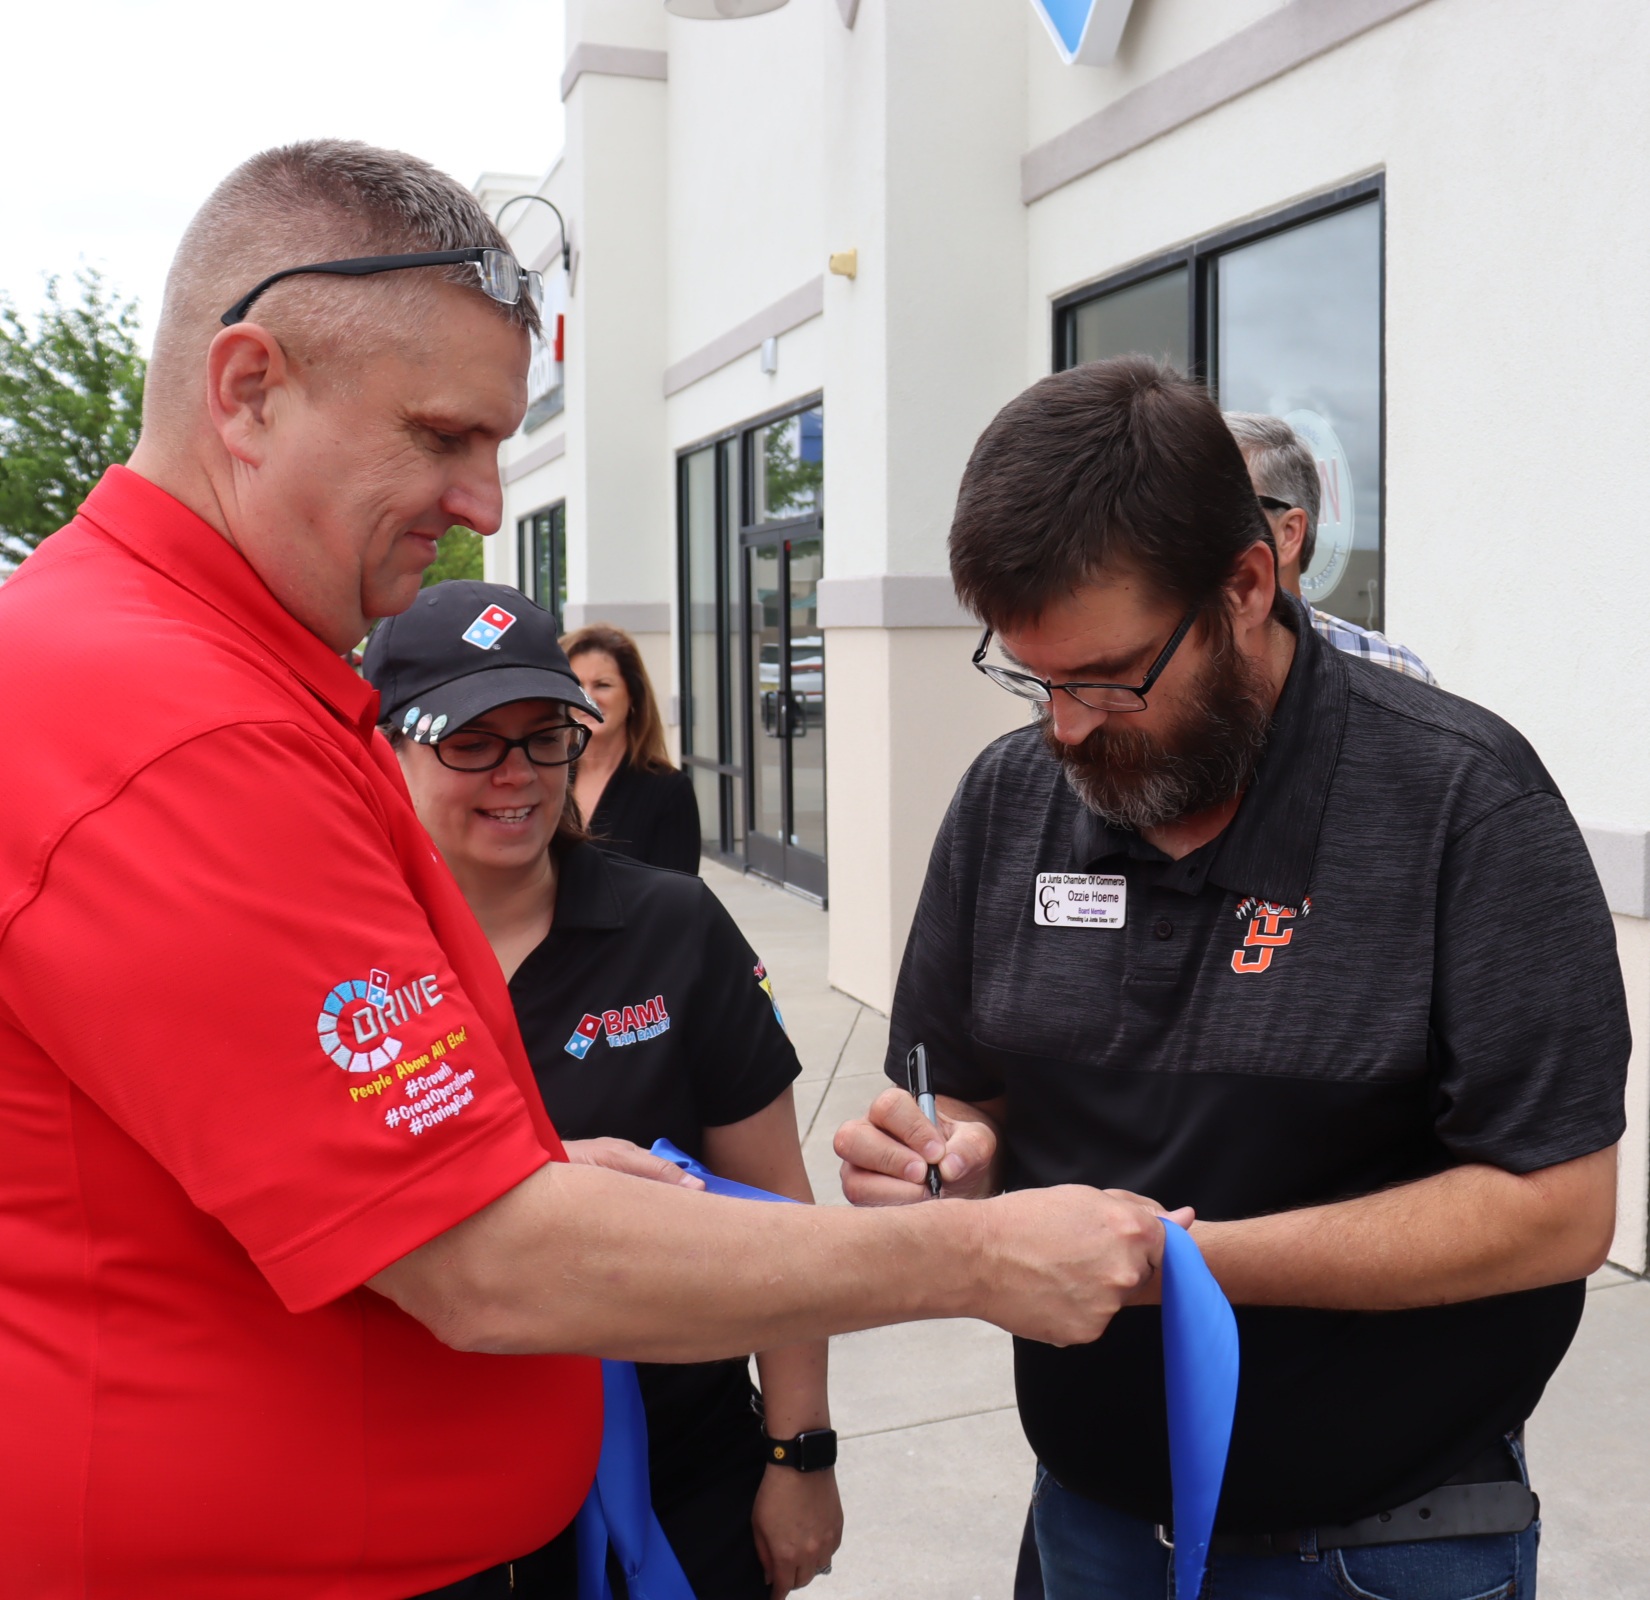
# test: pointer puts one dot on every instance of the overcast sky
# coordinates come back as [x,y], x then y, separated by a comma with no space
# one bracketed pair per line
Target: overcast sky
[122,114]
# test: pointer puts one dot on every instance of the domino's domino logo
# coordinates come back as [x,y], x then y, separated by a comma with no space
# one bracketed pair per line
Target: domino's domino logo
[583,1037]
[489,627]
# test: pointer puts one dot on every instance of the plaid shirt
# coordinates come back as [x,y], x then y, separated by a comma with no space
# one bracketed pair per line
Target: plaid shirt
[1372,646]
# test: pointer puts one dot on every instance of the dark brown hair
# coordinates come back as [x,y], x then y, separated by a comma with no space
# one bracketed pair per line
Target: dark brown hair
[644,731]
[1114,465]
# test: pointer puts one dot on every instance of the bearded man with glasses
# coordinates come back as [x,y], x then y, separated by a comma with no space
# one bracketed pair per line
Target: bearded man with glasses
[1243,923]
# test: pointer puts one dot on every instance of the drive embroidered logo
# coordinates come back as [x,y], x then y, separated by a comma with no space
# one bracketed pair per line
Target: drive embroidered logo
[633,1024]
[1266,934]
[489,627]
[584,1036]
[357,1016]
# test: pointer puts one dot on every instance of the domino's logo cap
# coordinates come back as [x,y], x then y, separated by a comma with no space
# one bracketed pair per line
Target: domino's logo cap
[462,648]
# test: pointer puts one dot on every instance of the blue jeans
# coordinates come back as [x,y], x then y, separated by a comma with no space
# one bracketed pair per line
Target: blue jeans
[1090,1552]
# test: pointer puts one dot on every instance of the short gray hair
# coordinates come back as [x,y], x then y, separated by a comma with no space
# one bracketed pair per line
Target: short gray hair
[1281,465]
[319,200]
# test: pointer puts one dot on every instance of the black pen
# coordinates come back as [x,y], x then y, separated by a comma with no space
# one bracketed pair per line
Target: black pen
[916,1077]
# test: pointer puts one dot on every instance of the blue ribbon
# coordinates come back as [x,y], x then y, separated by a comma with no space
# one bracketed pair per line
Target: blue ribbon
[737,1191]
[1200,1371]
[618,1512]
[1200,1368]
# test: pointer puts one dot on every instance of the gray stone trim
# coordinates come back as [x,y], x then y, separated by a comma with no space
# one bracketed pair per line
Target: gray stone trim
[634,616]
[540,456]
[799,306]
[613,61]
[1622,859]
[1285,39]
[891,600]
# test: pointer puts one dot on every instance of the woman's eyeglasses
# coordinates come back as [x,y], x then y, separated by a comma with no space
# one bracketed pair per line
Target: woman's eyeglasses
[467,751]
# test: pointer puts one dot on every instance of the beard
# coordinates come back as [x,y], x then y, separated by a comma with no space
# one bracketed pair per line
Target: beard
[1135,779]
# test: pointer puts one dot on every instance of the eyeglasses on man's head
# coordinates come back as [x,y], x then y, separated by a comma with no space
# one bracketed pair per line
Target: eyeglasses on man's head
[501,276]
[1096,696]
[1272,503]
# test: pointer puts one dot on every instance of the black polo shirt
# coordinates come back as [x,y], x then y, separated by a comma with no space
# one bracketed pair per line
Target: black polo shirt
[1396,958]
[647,1015]
[650,816]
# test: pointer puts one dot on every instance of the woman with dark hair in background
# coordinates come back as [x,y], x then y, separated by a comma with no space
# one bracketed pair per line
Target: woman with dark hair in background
[635,800]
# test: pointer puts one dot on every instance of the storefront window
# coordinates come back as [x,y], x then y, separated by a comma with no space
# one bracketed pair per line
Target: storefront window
[1298,335]
[541,559]
[1283,317]
[788,466]
[752,653]
[1150,316]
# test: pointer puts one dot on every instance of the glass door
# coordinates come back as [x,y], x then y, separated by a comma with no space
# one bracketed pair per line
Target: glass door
[785,666]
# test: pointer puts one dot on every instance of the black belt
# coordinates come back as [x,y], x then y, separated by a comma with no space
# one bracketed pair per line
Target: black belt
[1462,1508]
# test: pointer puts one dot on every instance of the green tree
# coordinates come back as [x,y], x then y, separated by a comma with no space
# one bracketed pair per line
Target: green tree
[792,484]
[457,555]
[71,399]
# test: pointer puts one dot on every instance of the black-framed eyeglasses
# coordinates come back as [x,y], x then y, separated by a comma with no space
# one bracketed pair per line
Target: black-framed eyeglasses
[1272,503]
[477,751]
[502,277]
[1096,696]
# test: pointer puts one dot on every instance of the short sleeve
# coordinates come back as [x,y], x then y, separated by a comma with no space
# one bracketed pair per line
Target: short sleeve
[1529,1016]
[933,999]
[228,960]
[674,840]
[743,1060]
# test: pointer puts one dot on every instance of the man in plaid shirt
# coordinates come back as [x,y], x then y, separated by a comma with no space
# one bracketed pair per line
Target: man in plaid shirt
[1285,477]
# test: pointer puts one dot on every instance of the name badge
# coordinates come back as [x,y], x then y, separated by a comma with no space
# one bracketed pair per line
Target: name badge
[1080,900]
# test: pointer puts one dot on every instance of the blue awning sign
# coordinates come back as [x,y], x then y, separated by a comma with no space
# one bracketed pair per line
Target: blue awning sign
[1085,32]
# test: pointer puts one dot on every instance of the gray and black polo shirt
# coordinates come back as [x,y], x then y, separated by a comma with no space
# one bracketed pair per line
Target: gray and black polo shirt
[1396,958]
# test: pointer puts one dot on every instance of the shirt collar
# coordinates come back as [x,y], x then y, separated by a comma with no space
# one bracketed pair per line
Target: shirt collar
[166,535]
[1268,847]
[586,895]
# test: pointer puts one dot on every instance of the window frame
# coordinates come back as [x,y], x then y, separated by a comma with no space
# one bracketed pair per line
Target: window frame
[527,568]
[1200,258]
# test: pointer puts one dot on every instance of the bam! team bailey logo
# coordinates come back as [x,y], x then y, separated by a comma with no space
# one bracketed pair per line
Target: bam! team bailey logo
[625,1025]
[1266,934]
[357,1016]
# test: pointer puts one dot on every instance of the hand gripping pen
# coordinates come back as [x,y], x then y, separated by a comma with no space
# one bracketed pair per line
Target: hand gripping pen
[916,1078]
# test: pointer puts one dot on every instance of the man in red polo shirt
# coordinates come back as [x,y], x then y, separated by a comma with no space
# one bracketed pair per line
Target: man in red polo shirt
[276,1190]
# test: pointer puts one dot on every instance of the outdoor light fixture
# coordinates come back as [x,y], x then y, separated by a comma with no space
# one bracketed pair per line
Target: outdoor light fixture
[720,10]
[561,222]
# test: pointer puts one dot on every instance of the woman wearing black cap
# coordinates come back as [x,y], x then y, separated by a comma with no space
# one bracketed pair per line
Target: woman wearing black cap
[645,1014]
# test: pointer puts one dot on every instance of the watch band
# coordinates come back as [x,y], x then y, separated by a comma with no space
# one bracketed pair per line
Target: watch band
[813,1451]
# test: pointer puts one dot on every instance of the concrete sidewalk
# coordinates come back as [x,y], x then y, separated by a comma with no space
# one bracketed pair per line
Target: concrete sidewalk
[934,1470]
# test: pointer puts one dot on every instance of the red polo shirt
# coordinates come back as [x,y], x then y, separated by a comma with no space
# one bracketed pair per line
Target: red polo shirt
[253,1048]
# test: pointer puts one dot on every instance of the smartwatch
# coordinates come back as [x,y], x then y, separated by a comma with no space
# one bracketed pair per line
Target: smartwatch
[813,1451]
